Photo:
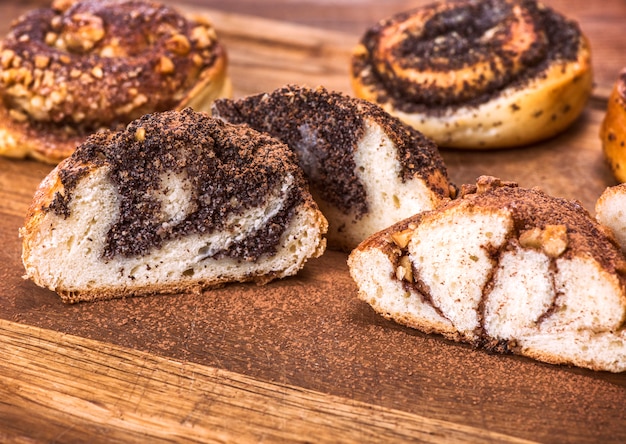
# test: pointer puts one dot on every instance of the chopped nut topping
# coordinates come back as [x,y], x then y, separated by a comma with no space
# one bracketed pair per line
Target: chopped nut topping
[140,134]
[203,36]
[42,61]
[26,76]
[97,72]
[7,77]
[56,22]
[108,51]
[552,240]
[531,238]
[197,60]
[404,270]
[555,240]
[483,185]
[50,38]
[62,5]
[486,183]
[179,45]
[37,76]
[165,65]
[56,97]
[211,33]
[18,115]
[6,58]
[401,238]
[135,103]
[203,20]
[84,32]
[16,62]
[36,102]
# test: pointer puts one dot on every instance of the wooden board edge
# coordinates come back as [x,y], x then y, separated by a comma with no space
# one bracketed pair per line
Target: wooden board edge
[250,27]
[59,384]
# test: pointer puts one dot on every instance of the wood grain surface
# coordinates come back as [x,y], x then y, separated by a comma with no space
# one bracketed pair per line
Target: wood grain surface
[135,396]
[301,359]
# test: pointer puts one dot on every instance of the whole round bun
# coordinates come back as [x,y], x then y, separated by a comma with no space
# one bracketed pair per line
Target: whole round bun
[176,202]
[613,129]
[366,169]
[477,74]
[79,66]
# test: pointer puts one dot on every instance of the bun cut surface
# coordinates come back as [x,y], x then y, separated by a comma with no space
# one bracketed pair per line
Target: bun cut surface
[178,201]
[366,169]
[509,269]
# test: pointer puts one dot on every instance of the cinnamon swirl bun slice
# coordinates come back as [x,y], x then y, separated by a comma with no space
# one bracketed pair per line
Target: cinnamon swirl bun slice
[80,66]
[509,269]
[366,169]
[477,74]
[176,202]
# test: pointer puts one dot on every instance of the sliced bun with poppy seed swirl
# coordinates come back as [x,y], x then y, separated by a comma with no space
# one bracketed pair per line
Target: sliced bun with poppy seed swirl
[477,74]
[366,169]
[510,269]
[79,66]
[176,202]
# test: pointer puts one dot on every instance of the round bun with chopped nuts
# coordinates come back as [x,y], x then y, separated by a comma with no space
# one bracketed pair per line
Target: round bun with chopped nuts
[477,74]
[80,66]
[511,269]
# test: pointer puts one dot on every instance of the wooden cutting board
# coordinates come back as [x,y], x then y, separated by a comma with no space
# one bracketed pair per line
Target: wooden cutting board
[301,359]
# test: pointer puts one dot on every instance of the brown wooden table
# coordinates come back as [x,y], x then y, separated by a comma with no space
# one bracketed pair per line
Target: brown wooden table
[301,359]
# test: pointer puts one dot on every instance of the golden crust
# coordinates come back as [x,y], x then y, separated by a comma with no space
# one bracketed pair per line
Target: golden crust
[116,76]
[20,139]
[533,108]
[613,130]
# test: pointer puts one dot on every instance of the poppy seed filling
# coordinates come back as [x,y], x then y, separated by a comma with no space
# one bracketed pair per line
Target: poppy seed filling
[226,171]
[460,37]
[324,129]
